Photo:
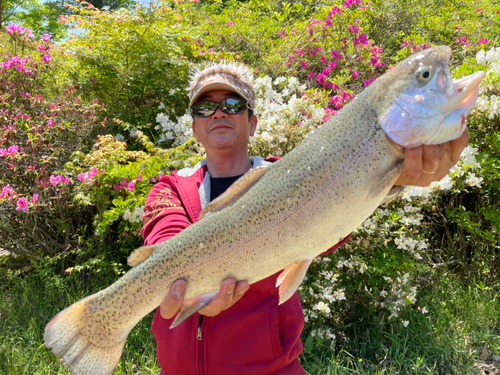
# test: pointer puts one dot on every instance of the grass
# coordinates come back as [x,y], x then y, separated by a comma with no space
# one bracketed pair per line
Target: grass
[461,318]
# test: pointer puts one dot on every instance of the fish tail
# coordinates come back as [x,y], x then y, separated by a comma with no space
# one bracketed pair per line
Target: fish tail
[86,347]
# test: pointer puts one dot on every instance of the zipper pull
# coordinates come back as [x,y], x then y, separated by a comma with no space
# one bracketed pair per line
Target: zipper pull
[199,333]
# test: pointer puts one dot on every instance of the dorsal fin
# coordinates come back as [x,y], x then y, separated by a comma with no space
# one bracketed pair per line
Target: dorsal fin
[139,255]
[234,191]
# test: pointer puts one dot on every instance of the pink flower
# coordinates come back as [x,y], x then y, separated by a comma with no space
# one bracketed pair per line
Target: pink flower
[230,24]
[323,59]
[46,58]
[349,3]
[336,54]
[53,180]
[22,205]
[50,122]
[320,78]
[60,179]
[478,10]
[327,72]
[131,186]
[362,40]
[7,192]
[3,152]
[353,29]
[81,177]
[332,65]
[304,64]
[46,37]
[368,82]
[12,150]
[66,180]
[482,41]
[139,178]
[328,22]
[311,75]
[355,75]
[117,187]
[335,10]
[34,200]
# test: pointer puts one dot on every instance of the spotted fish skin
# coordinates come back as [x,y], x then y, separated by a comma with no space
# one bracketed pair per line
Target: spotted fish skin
[279,218]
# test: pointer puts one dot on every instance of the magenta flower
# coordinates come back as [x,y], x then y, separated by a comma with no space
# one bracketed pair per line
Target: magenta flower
[304,64]
[53,180]
[355,75]
[22,205]
[60,179]
[311,75]
[362,40]
[46,58]
[349,3]
[117,187]
[131,186]
[139,178]
[353,29]
[327,72]
[336,54]
[3,152]
[320,78]
[34,200]
[81,177]
[124,183]
[335,10]
[368,82]
[230,24]
[66,180]
[46,37]
[323,59]
[50,122]
[12,150]
[92,173]
[482,41]
[328,22]
[332,65]
[7,192]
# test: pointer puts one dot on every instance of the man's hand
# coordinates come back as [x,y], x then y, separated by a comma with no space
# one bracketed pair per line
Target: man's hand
[425,164]
[230,292]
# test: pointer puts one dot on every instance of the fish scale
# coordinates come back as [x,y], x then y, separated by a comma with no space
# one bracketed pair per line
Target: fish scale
[277,218]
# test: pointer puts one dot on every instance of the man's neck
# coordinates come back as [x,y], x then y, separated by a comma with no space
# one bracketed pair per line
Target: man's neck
[228,165]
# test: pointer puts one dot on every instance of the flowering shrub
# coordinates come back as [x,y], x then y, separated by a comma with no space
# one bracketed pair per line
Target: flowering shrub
[38,134]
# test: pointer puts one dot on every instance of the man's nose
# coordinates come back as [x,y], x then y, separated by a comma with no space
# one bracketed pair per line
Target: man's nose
[218,113]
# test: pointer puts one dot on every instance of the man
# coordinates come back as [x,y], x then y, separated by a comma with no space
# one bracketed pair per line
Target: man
[255,336]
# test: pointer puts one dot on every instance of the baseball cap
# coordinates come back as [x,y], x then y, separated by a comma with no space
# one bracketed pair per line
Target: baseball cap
[223,76]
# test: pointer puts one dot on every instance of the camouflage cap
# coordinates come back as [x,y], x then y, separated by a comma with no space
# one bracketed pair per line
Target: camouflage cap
[223,76]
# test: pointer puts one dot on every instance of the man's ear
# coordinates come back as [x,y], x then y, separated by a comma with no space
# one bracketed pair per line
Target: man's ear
[253,125]
[194,132]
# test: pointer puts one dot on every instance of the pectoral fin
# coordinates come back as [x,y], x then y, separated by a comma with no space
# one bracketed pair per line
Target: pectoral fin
[139,255]
[386,181]
[191,306]
[291,278]
[240,186]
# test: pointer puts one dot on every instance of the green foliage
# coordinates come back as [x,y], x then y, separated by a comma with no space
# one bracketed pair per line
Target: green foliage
[133,60]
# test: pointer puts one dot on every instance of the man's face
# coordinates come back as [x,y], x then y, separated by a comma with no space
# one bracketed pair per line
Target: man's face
[222,131]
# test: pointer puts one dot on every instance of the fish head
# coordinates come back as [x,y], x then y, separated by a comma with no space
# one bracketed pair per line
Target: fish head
[417,102]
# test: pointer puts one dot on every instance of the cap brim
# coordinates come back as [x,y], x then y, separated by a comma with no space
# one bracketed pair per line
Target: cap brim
[213,87]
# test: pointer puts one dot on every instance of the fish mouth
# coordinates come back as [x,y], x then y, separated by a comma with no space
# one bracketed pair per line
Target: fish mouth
[465,91]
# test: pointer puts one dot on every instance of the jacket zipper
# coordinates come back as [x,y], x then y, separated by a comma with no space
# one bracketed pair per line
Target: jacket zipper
[199,337]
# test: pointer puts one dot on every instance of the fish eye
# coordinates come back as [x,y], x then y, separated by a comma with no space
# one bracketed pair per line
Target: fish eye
[424,75]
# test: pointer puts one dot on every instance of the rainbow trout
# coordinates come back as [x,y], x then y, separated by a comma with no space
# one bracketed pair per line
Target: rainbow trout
[279,217]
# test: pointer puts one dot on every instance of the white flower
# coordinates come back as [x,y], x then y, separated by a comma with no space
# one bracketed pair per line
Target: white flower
[119,137]
[424,310]
[473,180]
[383,293]
[405,323]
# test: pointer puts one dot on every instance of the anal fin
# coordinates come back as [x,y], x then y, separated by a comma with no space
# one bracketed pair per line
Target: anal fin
[192,305]
[241,185]
[291,278]
[139,255]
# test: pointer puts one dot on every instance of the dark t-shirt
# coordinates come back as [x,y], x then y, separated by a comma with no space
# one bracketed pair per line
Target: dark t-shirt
[220,184]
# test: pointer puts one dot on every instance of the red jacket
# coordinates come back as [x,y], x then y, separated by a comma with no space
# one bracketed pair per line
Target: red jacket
[254,336]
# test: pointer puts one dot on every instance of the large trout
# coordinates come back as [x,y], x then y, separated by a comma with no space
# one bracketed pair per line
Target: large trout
[279,217]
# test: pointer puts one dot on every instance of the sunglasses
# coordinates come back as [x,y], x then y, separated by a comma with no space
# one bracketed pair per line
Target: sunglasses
[229,106]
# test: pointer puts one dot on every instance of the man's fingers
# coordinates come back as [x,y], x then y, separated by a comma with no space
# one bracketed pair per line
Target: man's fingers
[173,301]
[229,293]
[431,158]
[413,162]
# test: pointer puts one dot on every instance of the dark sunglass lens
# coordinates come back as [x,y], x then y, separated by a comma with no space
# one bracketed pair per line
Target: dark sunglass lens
[235,105]
[204,109]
